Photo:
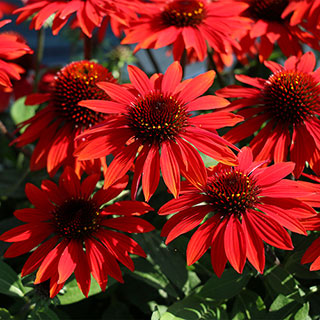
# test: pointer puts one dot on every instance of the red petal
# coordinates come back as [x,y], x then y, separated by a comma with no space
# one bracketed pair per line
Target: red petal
[88,185]
[117,92]
[201,240]
[103,106]
[183,202]
[82,270]
[207,103]
[140,80]
[32,215]
[121,164]
[37,98]
[255,247]
[128,224]
[235,244]
[70,183]
[68,259]
[197,86]
[218,255]
[274,173]
[151,172]
[38,198]
[127,208]
[170,169]
[38,255]
[312,253]
[171,78]
[269,230]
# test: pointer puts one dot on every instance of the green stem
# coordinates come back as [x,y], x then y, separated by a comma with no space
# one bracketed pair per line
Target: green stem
[39,56]
[212,66]
[153,61]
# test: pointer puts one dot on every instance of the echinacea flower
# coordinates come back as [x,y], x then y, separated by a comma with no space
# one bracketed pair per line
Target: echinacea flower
[86,14]
[62,120]
[11,48]
[24,64]
[72,232]
[155,117]
[186,24]
[288,103]
[269,27]
[238,208]
[6,8]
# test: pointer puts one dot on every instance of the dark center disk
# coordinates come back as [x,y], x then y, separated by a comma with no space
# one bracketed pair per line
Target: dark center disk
[155,118]
[232,192]
[269,10]
[183,13]
[76,218]
[291,97]
[76,82]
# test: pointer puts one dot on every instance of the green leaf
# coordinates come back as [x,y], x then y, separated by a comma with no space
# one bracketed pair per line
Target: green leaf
[248,305]
[5,314]
[283,308]
[193,307]
[43,314]
[72,293]
[303,313]
[280,281]
[20,112]
[10,282]
[226,287]
[150,273]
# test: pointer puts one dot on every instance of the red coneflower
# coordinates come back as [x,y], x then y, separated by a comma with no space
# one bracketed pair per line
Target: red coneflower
[288,102]
[11,48]
[72,232]
[186,24]
[62,120]
[155,117]
[89,14]
[240,207]
[23,64]
[269,27]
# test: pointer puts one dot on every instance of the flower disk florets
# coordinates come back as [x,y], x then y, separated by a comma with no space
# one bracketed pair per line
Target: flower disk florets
[232,192]
[269,10]
[76,82]
[184,13]
[76,218]
[291,96]
[157,117]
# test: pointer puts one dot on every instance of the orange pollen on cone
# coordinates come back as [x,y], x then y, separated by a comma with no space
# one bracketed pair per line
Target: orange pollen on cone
[183,13]
[76,82]
[269,10]
[232,192]
[76,218]
[157,117]
[291,96]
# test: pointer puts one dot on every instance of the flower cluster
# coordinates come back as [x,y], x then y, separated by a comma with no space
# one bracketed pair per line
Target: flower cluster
[160,130]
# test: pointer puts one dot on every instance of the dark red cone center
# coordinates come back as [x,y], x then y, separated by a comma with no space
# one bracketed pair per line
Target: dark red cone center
[156,117]
[76,82]
[77,218]
[232,192]
[183,13]
[269,10]
[291,96]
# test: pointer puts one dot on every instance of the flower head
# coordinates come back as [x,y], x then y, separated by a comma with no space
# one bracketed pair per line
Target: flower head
[185,24]
[56,125]
[289,103]
[71,230]
[239,208]
[271,26]
[86,14]
[12,47]
[156,116]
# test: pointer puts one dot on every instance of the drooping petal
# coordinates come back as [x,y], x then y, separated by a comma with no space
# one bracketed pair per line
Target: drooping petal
[235,244]
[201,240]
[128,224]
